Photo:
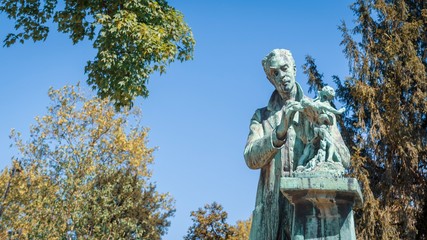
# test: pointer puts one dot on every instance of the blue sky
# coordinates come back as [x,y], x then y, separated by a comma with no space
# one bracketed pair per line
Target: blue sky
[199,111]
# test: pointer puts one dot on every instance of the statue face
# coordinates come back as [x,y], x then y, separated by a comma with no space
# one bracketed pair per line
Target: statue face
[282,74]
[328,93]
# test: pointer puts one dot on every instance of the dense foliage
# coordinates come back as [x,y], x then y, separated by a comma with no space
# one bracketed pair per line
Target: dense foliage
[134,38]
[82,173]
[210,223]
[386,122]
[242,229]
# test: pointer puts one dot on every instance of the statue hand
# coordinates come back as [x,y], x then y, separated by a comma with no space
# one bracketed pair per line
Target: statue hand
[305,102]
[341,111]
[291,107]
[288,112]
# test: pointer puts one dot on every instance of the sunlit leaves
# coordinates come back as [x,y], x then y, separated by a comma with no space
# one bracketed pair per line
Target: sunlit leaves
[387,96]
[132,45]
[209,223]
[242,230]
[386,125]
[84,170]
[133,38]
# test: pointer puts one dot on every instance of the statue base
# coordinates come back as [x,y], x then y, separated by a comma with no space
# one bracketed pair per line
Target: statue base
[323,207]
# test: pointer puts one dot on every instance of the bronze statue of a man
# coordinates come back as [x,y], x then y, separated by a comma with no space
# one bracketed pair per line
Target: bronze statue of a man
[276,141]
[289,138]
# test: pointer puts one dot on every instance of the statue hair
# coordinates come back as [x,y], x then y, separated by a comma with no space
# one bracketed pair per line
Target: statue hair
[266,61]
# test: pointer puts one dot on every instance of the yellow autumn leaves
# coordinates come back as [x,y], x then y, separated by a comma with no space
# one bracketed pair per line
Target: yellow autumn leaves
[84,172]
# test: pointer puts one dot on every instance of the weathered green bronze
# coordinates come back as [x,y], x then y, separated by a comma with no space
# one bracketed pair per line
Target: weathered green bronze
[323,207]
[295,139]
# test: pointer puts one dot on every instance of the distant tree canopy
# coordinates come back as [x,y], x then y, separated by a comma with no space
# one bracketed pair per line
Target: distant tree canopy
[134,38]
[83,173]
[386,122]
[210,223]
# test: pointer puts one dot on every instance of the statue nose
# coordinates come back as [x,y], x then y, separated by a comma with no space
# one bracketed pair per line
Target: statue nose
[284,77]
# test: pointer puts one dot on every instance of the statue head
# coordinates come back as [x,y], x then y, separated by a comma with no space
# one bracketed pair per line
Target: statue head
[280,68]
[327,93]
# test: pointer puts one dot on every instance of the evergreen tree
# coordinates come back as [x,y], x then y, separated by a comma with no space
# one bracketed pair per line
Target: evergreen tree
[315,78]
[386,122]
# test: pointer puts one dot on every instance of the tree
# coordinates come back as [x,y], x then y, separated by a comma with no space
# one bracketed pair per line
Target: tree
[315,78]
[134,38]
[387,119]
[209,223]
[83,173]
[242,229]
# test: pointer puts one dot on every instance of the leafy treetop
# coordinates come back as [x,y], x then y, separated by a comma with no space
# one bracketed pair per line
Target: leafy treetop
[210,223]
[83,172]
[134,38]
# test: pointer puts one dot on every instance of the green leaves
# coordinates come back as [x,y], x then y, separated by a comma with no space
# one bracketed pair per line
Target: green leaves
[30,16]
[133,38]
[131,48]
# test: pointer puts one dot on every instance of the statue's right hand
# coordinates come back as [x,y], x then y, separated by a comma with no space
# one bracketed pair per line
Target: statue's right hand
[292,106]
[288,111]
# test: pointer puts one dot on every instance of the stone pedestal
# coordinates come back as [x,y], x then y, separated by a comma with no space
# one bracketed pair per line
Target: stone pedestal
[323,207]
